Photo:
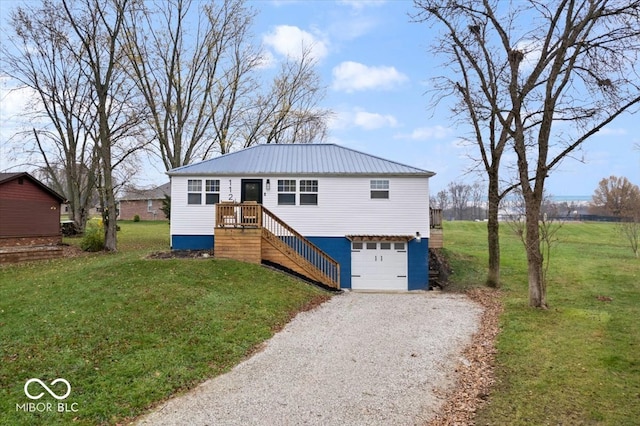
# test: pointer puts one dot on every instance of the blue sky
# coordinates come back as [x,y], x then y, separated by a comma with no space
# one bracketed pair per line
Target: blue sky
[377,68]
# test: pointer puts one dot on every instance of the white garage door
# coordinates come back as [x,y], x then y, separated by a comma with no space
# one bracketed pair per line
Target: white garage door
[378,265]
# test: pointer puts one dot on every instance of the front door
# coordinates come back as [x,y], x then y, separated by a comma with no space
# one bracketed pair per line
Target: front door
[251,190]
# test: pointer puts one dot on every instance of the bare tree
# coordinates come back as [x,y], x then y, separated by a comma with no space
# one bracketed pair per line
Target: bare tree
[40,54]
[99,26]
[289,113]
[442,198]
[185,57]
[459,194]
[477,192]
[198,71]
[548,225]
[630,229]
[477,85]
[575,65]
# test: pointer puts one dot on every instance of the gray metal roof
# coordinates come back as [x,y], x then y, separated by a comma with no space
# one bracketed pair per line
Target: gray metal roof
[298,159]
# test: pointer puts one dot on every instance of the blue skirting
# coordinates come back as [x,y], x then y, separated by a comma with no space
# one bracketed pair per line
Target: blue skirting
[191,242]
[418,265]
[339,248]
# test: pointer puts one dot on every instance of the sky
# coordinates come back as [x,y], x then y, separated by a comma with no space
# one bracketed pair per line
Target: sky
[377,68]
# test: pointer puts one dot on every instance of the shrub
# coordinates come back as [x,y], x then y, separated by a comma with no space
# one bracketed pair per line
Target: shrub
[136,218]
[93,239]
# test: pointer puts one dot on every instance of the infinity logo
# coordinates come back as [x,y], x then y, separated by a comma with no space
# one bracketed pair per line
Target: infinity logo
[45,387]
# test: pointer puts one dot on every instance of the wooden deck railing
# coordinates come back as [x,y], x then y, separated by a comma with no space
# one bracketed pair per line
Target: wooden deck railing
[435,218]
[308,256]
[238,215]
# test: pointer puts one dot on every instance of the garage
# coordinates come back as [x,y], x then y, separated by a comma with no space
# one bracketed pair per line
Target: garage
[379,265]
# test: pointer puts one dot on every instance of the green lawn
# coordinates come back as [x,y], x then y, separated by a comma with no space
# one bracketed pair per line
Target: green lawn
[577,363]
[126,331]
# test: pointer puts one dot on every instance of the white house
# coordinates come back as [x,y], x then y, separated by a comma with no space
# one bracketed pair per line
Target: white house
[369,214]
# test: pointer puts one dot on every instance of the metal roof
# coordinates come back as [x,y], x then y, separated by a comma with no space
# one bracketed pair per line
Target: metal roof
[298,159]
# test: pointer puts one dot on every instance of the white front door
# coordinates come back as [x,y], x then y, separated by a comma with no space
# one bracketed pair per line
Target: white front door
[379,265]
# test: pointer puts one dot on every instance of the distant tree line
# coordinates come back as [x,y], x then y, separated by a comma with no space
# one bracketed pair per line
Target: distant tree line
[461,201]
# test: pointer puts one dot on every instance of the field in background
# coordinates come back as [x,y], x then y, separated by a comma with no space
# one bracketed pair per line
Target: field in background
[578,362]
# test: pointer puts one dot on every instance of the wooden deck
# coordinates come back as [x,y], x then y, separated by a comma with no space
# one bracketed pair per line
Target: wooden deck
[251,233]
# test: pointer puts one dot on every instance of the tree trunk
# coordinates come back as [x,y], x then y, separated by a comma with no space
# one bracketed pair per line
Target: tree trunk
[493,228]
[537,286]
[109,214]
[109,211]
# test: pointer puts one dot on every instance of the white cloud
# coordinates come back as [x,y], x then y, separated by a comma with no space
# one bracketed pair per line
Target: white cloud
[291,41]
[612,131]
[532,50]
[371,121]
[427,133]
[365,120]
[352,27]
[360,4]
[353,76]
[14,100]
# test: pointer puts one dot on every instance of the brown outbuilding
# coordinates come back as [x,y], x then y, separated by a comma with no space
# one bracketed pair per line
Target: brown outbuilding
[29,219]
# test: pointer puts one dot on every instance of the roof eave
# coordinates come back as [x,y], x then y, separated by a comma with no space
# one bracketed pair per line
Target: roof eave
[426,174]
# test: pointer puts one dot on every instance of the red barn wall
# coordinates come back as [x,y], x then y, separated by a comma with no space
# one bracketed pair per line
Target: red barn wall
[26,210]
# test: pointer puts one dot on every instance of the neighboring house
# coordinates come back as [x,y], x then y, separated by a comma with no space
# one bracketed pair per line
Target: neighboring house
[369,214]
[145,203]
[29,218]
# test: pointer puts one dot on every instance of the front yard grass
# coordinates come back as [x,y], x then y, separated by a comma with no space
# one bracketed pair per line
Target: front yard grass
[126,331]
[577,363]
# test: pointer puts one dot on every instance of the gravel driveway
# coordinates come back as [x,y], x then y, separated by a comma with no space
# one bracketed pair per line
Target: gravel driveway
[358,359]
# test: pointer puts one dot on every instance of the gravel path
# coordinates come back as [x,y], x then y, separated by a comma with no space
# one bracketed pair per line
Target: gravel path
[358,359]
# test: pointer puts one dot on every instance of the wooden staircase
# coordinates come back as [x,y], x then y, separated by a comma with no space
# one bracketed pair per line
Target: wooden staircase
[251,233]
[436,239]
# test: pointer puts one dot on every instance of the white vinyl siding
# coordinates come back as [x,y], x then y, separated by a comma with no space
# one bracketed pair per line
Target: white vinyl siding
[344,207]
[189,219]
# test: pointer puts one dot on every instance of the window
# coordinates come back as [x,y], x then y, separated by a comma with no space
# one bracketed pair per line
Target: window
[212,191]
[194,191]
[149,205]
[308,192]
[385,246]
[379,189]
[356,246]
[286,192]
[398,246]
[372,246]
